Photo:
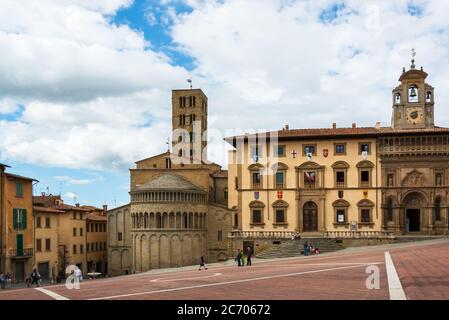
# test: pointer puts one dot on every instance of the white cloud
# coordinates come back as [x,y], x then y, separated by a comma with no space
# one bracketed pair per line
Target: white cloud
[96,96]
[75,181]
[93,94]
[267,63]
[71,195]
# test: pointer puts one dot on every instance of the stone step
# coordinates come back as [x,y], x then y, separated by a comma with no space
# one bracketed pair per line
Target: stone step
[294,248]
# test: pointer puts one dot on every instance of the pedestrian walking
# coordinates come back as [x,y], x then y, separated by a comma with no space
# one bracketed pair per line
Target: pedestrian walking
[306,248]
[242,254]
[35,278]
[8,280]
[202,263]
[239,258]
[78,274]
[2,281]
[249,253]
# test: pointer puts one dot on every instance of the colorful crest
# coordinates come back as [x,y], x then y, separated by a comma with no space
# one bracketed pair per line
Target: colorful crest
[280,194]
[325,153]
[256,195]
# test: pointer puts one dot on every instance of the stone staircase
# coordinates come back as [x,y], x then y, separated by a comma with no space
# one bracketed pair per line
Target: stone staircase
[295,248]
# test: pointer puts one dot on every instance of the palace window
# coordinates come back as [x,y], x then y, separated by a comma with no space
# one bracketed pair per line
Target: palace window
[340,149]
[364,147]
[365,172]
[38,222]
[256,182]
[341,211]
[309,149]
[257,216]
[341,194]
[365,215]
[38,245]
[167,163]
[236,220]
[341,215]
[74,232]
[340,179]
[47,222]
[255,153]
[19,219]
[365,211]
[364,178]
[81,232]
[74,249]
[119,236]
[280,215]
[279,180]
[279,151]
[309,179]
[236,183]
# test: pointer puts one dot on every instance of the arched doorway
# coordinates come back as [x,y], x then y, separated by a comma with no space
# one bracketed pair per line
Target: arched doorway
[310,217]
[414,204]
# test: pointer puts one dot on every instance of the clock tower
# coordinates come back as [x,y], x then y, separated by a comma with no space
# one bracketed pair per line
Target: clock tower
[413,101]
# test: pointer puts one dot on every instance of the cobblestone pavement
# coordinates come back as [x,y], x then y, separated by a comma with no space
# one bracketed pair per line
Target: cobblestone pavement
[422,269]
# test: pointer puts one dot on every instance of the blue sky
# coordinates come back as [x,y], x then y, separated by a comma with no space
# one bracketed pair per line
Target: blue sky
[86,93]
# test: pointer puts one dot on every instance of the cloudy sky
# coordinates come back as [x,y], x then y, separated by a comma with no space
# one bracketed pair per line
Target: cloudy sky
[85,84]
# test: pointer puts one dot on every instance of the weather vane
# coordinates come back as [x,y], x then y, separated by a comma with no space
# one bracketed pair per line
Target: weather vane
[413,57]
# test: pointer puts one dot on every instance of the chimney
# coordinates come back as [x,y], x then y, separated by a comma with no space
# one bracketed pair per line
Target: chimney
[77,205]
[334,125]
[43,194]
[286,127]
[105,208]
[354,125]
[377,125]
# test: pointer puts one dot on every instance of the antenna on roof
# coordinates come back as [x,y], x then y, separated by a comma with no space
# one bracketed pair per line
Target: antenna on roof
[168,144]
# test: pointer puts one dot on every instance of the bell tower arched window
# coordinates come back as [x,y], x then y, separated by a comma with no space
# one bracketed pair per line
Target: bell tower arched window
[397,98]
[429,96]
[413,94]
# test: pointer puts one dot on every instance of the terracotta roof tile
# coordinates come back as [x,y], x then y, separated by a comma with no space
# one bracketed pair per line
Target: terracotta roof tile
[16,176]
[96,217]
[326,133]
[46,209]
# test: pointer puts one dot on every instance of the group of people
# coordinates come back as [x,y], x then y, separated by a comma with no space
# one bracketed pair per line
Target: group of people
[34,278]
[5,280]
[241,257]
[310,249]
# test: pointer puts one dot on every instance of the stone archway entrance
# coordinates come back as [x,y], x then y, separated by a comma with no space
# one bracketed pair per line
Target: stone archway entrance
[414,203]
[413,220]
[310,217]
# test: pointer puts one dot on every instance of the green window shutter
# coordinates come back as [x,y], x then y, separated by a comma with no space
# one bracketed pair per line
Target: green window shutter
[15,218]
[24,218]
[19,189]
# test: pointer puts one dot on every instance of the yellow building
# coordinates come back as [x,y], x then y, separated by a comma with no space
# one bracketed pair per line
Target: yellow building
[46,226]
[96,239]
[71,231]
[369,182]
[16,225]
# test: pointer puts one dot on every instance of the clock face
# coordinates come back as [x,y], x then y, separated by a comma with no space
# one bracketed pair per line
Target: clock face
[415,115]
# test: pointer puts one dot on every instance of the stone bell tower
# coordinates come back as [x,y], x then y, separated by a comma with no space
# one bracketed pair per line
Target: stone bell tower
[189,123]
[413,101]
